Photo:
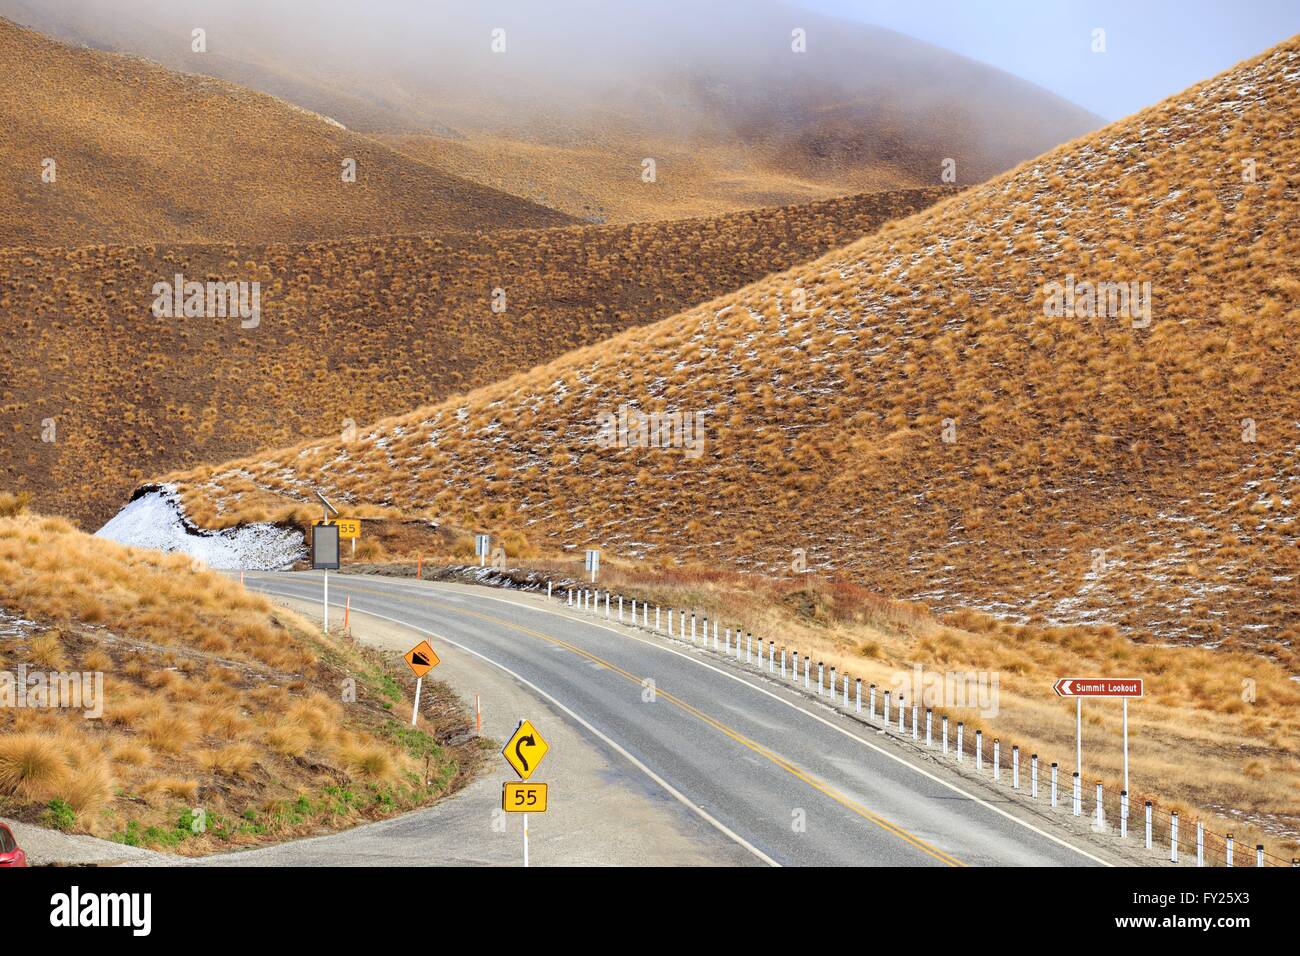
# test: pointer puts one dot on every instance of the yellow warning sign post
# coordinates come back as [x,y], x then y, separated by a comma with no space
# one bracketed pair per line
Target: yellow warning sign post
[523,797]
[524,751]
[420,659]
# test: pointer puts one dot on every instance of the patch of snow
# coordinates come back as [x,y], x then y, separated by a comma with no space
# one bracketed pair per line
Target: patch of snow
[154,519]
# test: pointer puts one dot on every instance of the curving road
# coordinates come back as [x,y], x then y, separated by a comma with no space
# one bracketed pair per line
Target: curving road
[779,777]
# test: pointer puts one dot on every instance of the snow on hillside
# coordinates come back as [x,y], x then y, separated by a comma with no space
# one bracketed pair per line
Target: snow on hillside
[154,519]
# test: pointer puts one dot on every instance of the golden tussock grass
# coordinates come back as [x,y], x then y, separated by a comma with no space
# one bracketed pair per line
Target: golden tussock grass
[254,733]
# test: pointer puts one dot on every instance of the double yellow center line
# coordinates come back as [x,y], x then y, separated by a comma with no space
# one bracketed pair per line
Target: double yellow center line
[819,785]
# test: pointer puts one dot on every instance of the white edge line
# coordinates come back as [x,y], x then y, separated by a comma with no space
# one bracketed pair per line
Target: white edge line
[700,811]
[762,690]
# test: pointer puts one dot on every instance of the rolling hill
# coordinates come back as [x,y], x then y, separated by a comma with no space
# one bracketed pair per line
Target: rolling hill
[97,393]
[582,93]
[141,153]
[941,419]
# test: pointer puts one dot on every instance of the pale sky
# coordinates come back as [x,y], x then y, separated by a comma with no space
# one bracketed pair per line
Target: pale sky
[1154,48]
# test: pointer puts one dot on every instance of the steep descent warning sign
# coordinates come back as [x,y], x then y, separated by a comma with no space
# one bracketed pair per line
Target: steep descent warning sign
[421,658]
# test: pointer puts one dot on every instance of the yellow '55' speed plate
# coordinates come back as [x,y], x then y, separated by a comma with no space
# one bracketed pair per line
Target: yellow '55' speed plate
[523,797]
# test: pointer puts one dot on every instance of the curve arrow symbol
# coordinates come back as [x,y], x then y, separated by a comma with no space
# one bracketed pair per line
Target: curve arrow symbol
[519,751]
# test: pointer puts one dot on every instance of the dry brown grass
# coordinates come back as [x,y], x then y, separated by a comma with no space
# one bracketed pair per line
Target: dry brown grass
[1214,737]
[83,108]
[1075,437]
[219,704]
[409,319]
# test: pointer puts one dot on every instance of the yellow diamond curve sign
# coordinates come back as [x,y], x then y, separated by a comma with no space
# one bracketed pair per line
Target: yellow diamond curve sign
[525,749]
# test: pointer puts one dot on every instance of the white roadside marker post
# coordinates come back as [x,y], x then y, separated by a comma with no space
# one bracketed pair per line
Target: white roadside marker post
[1200,843]
[1228,851]
[1053,786]
[871,702]
[1078,743]
[997,759]
[1015,767]
[857,685]
[783,653]
[415,711]
[979,750]
[886,710]
[1126,744]
[820,691]
[832,685]
[1173,837]
[1148,815]
[771,657]
[944,733]
[1123,814]
[1033,776]
[915,732]
[902,713]
[1078,794]
[846,692]
[929,719]
[960,749]
[1101,813]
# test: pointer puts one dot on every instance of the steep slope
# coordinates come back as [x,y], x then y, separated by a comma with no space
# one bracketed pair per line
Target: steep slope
[141,153]
[97,393]
[582,92]
[931,422]
[202,698]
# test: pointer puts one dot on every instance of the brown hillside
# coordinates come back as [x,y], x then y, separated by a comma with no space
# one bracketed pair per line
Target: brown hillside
[349,330]
[599,180]
[208,697]
[1097,471]
[146,154]
[585,91]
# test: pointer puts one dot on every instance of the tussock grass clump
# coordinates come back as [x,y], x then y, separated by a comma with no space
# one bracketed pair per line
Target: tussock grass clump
[241,727]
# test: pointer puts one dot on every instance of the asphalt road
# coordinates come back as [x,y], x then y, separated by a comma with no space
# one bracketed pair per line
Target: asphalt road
[775,775]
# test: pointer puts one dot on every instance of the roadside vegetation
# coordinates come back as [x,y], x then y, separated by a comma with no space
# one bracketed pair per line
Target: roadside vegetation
[226,722]
[1213,738]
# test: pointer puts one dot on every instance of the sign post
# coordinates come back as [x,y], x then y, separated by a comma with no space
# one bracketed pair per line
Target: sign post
[325,555]
[482,545]
[524,751]
[1081,687]
[421,659]
[593,563]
